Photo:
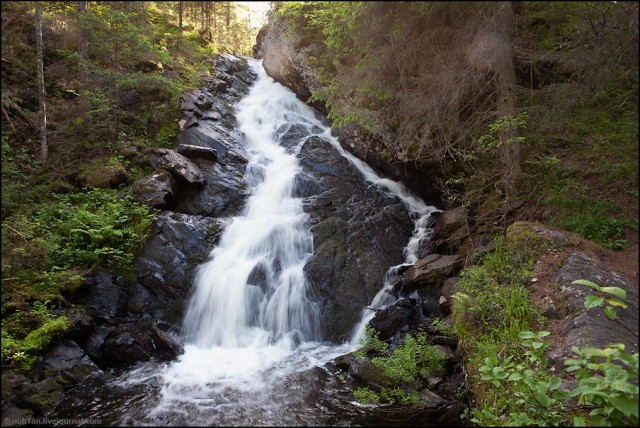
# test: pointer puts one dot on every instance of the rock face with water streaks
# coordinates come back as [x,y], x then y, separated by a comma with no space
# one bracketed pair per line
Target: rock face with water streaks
[359,232]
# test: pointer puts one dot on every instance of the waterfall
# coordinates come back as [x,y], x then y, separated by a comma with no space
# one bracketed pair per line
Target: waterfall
[253,290]
[251,326]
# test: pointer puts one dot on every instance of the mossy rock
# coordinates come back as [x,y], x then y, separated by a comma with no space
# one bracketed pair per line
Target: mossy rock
[530,239]
[110,176]
[41,397]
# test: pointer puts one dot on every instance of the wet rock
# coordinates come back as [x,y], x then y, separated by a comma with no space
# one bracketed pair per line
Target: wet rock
[166,267]
[431,270]
[359,232]
[41,397]
[164,340]
[126,346]
[69,361]
[147,338]
[191,151]
[396,318]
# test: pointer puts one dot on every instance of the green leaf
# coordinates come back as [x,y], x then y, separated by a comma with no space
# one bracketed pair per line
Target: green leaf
[578,421]
[527,335]
[543,399]
[627,405]
[554,383]
[616,291]
[593,301]
[615,373]
[625,387]
[587,283]
[515,377]
[610,312]
[616,302]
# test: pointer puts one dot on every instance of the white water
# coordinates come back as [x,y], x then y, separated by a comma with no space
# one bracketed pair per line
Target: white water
[250,321]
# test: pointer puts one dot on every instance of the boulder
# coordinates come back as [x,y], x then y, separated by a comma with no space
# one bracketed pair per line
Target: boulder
[431,270]
[132,343]
[157,190]
[70,361]
[177,164]
[450,230]
[105,176]
[192,151]
[396,318]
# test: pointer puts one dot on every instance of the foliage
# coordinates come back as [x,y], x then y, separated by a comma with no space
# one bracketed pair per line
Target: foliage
[605,388]
[506,355]
[43,252]
[404,368]
[492,304]
[98,225]
[588,218]
[509,125]
[608,304]
[22,353]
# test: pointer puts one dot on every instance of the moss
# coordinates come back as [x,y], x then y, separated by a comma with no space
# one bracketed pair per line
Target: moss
[104,174]
[166,135]
[39,340]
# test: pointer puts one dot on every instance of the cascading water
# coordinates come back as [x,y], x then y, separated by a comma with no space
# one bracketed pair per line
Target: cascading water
[253,291]
[251,330]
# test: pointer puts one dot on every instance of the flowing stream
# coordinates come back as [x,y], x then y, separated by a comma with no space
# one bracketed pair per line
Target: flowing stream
[250,329]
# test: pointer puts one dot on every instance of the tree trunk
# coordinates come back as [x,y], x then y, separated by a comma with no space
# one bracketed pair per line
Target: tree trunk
[42,104]
[180,8]
[83,46]
[506,96]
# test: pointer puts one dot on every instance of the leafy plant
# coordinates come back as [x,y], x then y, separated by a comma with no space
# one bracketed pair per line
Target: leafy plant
[607,380]
[608,304]
[404,369]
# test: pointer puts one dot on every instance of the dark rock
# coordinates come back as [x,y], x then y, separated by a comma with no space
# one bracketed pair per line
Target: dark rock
[126,346]
[81,324]
[147,338]
[156,190]
[431,270]
[41,397]
[359,232]
[164,340]
[101,293]
[93,345]
[217,85]
[70,361]
[166,267]
[181,167]
[191,151]
[389,321]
